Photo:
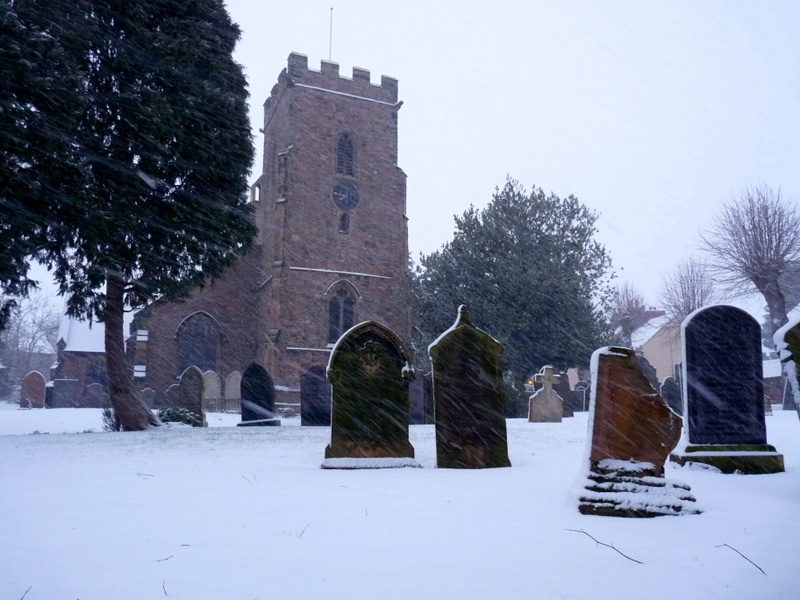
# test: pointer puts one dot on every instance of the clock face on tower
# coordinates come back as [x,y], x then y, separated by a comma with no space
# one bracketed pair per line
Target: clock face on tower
[345,196]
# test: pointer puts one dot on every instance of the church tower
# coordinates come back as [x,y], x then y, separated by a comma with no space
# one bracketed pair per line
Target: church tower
[330,204]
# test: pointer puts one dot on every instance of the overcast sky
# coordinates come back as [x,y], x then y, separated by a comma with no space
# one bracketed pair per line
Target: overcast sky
[651,113]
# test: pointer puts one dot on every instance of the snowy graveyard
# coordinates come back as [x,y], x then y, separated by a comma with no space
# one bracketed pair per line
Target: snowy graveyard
[232,512]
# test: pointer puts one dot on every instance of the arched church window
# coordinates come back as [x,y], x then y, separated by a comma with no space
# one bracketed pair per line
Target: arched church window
[198,340]
[344,156]
[341,314]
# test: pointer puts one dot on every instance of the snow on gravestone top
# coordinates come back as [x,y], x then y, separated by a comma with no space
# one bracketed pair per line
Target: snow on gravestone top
[469,398]
[723,386]
[369,372]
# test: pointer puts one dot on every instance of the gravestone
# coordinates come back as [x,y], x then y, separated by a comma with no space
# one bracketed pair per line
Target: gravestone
[723,389]
[96,396]
[631,435]
[31,395]
[573,400]
[65,393]
[787,342]
[671,393]
[583,388]
[648,370]
[315,398]
[469,398]
[369,371]
[172,396]
[545,406]
[233,392]
[212,391]
[258,398]
[148,396]
[190,394]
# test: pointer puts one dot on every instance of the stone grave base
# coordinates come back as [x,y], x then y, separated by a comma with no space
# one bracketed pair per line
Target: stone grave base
[753,459]
[275,422]
[369,463]
[616,488]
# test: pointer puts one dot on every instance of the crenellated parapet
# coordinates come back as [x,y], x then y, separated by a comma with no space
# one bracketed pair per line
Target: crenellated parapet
[328,78]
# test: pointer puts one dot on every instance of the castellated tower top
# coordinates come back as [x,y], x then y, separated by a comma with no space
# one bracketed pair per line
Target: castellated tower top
[327,78]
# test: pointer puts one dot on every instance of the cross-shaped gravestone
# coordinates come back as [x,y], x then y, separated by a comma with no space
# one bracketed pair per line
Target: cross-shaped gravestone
[545,406]
[548,378]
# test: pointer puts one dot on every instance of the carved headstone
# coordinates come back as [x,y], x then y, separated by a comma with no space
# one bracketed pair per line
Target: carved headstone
[315,397]
[258,398]
[724,393]
[31,395]
[369,371]
[469,398]
[190,393]
[631,435]
[545,406]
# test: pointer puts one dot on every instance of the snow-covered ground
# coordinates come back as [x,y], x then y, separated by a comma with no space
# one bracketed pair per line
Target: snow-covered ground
[228,513]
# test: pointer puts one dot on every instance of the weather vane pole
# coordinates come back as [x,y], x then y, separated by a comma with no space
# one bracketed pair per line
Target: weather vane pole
[330,36]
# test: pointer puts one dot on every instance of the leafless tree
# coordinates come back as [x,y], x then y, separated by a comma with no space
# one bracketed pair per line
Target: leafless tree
[689,287]
[754,240]
[30,335]
[628,311]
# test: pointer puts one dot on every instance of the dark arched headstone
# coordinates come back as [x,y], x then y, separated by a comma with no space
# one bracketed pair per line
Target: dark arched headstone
[370,373]
[724,388]
[671,393]
[258,397]
[190,394]
[315,397]
[31,395]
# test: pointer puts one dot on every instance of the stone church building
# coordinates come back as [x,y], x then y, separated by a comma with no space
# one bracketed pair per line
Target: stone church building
[331,252]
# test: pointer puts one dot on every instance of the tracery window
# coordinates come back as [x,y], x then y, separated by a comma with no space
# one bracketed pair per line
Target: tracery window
[341,314]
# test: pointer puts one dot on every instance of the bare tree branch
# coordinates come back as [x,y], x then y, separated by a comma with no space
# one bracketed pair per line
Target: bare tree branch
[689,287]
[599,543]
[754,240]
[743,556]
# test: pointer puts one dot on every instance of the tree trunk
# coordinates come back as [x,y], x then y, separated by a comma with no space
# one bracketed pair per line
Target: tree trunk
[131,412]
[776,306]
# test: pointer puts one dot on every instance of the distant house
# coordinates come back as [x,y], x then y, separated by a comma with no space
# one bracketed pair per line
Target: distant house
[659,341]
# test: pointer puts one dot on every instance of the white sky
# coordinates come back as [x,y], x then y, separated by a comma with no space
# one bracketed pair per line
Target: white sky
[650,113]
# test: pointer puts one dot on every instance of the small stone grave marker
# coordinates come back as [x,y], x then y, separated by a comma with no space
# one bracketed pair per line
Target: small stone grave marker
[190,393]
[369,371]
[631,435]
[545,406]
[469,398]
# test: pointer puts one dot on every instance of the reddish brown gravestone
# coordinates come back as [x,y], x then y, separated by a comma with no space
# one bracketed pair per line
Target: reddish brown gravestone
[32,393]
[631,421]
[632,433]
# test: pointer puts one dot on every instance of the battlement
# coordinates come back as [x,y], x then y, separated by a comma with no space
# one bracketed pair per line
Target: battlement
[328,78]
